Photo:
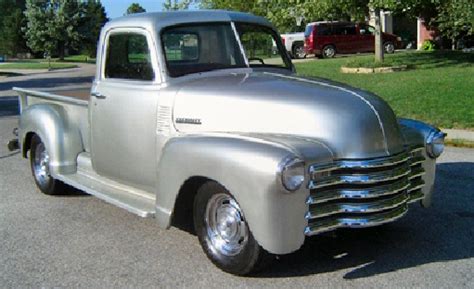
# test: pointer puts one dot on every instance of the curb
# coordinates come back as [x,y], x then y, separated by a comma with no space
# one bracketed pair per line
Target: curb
[365,70]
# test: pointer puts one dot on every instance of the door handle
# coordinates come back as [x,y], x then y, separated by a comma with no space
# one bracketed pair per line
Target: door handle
[98,95]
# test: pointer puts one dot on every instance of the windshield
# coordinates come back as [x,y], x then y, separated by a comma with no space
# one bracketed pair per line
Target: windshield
[204,47]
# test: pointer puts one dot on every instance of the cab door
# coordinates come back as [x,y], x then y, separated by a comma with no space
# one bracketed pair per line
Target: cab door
[123,107]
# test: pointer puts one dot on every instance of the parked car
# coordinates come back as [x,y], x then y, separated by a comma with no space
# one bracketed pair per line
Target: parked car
[328,38]
[294,44]
[229,140]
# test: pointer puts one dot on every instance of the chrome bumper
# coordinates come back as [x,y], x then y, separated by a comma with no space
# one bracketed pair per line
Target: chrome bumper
[363,193]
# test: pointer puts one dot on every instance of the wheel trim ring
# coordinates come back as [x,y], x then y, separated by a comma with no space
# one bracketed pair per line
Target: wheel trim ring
[41,165]
[226,229]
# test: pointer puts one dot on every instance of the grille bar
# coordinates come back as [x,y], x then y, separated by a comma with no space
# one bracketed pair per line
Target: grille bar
[366,207]
[376,177]
[361,164]
[356,221]
[375,192]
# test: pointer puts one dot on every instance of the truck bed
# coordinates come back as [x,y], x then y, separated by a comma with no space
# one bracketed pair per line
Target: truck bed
[74,101]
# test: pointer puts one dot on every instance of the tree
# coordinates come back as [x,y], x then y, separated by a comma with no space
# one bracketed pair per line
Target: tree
[176,4]
[12,20]
[283,13]
[52,26]
[135,8]
[456,19]
[92,20]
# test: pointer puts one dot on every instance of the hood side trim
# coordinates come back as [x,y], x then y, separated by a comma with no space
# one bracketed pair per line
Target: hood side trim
[345,90]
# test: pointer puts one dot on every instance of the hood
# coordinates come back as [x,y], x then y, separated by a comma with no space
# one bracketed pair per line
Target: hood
[354,124]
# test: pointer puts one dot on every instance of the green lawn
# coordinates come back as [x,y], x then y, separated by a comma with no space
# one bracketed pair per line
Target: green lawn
[79,58]
[438,89]
[35,65]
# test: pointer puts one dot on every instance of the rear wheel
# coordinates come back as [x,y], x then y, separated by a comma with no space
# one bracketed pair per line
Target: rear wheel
[389,47]
[329,51]
[298,51]
[39,161]
[223,231]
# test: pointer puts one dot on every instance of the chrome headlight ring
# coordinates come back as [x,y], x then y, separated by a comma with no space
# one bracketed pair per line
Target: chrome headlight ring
[435,143]
[292,173]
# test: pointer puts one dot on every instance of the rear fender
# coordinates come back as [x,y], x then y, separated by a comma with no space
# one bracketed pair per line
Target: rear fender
[60,136]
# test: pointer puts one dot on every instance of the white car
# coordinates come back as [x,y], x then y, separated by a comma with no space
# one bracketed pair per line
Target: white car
[294,44]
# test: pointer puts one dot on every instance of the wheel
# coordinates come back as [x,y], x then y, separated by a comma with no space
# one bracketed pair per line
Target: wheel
[389,47]
[298,51]
[223,231]
[39,160]
[329,51]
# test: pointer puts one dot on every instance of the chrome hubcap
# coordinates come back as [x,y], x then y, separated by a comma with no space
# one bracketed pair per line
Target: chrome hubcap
[329,52]
[389,48]
[41,164]
[225,225]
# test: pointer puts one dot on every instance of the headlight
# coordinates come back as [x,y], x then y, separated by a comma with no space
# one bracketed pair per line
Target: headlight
[292,173]
[399,38]
[435,144]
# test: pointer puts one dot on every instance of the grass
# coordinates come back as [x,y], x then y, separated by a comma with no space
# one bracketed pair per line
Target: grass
[438,90]
[35,65]
[78,58]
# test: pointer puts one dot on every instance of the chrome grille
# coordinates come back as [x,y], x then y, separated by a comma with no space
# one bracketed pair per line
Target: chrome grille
[363,193]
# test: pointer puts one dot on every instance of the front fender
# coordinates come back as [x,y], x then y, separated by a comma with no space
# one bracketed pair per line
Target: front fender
[61,137]
[248,168]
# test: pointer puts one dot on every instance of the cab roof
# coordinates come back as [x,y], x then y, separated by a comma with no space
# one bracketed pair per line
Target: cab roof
[159,20]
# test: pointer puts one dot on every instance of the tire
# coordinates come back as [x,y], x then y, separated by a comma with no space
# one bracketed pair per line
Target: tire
[389,47]
[329,51]
[39,161]
[298,51]
[230,246]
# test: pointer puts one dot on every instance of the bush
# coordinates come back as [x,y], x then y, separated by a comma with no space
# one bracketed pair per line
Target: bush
[428,45]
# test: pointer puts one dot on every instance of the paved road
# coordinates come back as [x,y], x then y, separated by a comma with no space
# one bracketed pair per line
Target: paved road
[80,241]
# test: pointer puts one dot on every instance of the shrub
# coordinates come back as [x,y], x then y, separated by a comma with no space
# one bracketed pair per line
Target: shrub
[428,45]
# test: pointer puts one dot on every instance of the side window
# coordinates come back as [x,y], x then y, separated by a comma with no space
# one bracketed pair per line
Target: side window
[324,30]
[350,30]
[128,57]
[181,46]
[367,30]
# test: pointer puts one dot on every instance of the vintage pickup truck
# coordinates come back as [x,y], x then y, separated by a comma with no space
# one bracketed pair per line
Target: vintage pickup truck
[193,118]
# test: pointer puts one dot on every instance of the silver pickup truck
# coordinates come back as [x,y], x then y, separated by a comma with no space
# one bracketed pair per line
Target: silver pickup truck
[193,118]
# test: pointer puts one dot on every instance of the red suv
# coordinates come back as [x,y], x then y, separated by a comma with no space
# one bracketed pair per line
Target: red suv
[328,38]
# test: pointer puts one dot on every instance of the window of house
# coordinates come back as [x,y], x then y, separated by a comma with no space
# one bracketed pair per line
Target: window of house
[128,57]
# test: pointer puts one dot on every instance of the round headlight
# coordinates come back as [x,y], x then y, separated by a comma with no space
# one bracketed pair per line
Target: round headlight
[292,173]
[435,144]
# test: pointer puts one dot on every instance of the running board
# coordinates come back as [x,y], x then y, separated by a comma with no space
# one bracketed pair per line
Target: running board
[85,179]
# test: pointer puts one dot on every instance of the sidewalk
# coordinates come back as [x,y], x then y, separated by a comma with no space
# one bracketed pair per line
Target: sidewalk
[459,135]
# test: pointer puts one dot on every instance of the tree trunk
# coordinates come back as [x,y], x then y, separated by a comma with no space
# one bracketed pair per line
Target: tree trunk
[378,37]
[61,47]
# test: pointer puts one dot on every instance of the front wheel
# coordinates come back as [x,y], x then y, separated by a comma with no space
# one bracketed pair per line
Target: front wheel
[224,233]
[39,161]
